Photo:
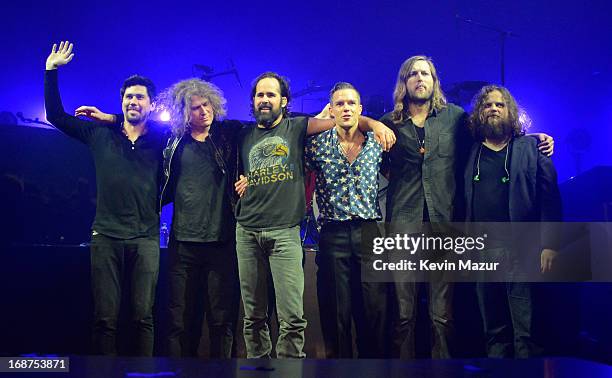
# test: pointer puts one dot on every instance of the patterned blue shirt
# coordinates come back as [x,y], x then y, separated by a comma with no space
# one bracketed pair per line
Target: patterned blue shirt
[344,191]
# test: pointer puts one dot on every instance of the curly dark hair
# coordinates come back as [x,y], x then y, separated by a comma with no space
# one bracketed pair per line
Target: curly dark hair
[477,117]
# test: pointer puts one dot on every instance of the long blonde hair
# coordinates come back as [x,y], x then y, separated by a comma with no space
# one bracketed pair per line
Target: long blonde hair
[400,94]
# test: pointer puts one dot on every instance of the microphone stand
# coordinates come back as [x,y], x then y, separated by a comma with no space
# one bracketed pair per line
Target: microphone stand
[503,35]
[209,72]
[310,88]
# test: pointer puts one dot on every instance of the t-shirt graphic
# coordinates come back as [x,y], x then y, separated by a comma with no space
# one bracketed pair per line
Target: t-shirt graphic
[268,153]
[273,163]
[268,162]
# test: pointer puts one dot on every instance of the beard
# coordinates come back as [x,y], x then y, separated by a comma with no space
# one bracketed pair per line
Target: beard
[495,128]
[420,98]
[267,119]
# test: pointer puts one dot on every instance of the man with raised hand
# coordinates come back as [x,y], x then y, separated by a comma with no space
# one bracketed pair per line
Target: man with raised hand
[125,231]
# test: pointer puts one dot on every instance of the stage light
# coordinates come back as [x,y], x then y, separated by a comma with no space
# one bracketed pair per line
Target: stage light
[524,119]
[164,116]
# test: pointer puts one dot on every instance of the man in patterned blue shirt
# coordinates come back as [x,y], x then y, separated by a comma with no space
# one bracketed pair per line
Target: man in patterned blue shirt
[346,162]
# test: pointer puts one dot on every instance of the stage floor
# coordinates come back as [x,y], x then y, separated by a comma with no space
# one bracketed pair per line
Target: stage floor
[106,367]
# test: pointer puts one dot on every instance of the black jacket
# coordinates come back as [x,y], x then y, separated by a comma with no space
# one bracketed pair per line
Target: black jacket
[534,193]
[223,136]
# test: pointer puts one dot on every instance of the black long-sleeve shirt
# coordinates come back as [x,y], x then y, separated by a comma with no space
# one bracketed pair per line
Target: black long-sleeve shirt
[128,174]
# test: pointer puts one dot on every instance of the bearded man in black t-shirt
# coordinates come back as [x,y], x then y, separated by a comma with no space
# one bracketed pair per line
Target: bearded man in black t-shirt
[270,211]
[508,180]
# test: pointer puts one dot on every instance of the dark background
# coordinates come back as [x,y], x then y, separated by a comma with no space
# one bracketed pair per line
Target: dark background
[558,66]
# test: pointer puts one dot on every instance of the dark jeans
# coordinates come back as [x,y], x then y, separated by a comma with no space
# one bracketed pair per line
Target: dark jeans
[202,279]
[113,261]
[506,309]
[343,295]
[440,313]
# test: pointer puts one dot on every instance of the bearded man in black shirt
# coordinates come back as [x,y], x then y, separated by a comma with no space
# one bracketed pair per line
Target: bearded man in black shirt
[422,175]
[125,232]
[508,180]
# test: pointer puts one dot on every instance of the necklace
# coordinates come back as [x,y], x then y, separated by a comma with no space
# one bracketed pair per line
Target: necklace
[420,142]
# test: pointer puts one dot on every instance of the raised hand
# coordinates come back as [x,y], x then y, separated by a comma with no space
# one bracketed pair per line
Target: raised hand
[94,114]
[59,56]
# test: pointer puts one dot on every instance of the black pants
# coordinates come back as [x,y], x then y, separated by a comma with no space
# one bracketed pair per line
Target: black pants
[506,309]
[114,261]
[203,279]
[343,295]
[440,312]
